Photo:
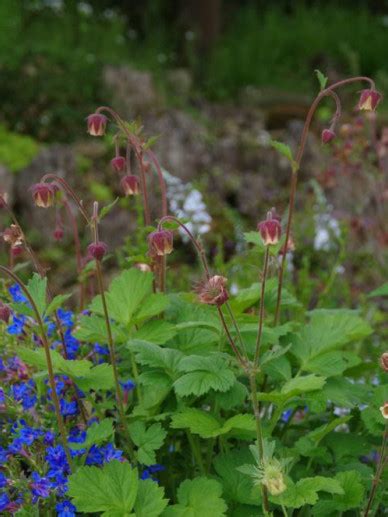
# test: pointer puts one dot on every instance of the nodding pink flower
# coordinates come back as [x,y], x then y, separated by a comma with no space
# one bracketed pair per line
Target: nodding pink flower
[130,185]
[160,243]
[384,410]
[213,291]
[270,229]
[17,250]
[97,250]
[43,194]
[13,235]
[58,233]
[5,312]
[369,100]
[327,136]
[118,163]
[384,361]
[96,124]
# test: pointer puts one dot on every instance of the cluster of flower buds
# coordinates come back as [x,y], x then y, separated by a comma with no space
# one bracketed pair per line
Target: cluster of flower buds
[5,312]
[270,229]
[213,291]
[160,243]
[43,194]
[97,250]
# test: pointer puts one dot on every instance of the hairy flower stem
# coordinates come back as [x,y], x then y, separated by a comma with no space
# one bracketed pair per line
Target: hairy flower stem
[46,346]
[78,254]
[112,354]
[201,254]
[296,165]
[261,308]
[259,434]
[379,471]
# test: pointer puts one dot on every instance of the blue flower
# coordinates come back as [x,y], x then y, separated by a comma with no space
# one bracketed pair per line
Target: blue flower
[68,408]
[77,435]
[16,446]
[110,453]
[49,438]
[3,480]
[28,435]
[59,482]
[286,415]
[2,397]
[151,469]
[66,509]
[127,385]
[17,294]
[102,350]
[24,393]
[95,456]
[72,344]
[4,501]
[40,487]
[66,318]
[3,455]
[17,326]
[57,460]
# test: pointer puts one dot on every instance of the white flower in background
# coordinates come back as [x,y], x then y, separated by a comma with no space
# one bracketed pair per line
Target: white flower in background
[187,203]
[326,226]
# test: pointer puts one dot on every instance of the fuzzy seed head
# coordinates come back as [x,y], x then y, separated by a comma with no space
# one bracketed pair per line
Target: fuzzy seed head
[213,291]
[369,100]
[384,361]
[97,250]
[160,243]
[130,185]
[13,235]
[384,410]
[96,124]
[273,478]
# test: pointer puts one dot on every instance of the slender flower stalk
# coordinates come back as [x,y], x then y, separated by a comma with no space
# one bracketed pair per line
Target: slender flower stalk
[261,308]
[50,370]
[329,91]
[379,471]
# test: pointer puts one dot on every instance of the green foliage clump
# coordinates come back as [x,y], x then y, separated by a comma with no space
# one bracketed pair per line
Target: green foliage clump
[16,151]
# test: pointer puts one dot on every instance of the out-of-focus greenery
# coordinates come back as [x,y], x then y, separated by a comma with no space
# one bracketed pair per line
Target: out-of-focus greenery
[16,151]
[52,52]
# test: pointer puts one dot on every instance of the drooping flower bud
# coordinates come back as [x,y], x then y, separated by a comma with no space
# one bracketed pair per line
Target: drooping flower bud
[270,229]
[96,124]
[97,250]
[327,136]
[17,250]
[213,291]
[118,163]
[160,243]
[369,100]
[58,233]
[384,410]
[43,194]
[384,361]
[130,185]
[13,235]
[5,312]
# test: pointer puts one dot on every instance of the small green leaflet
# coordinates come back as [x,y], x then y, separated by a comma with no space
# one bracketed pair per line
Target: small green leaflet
[198,497]
[147,440]
[150,500]
[285,151]
[111,489]
[322,79]
[305,491]
[380,291]
[299,385]
[106,209]
[97,433]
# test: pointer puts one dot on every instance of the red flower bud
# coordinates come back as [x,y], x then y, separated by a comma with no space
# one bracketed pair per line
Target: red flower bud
[213,291]
[43,194]
[384,361]
[369,99]
[17,250]
[118,163]
[58,233]
[270,230]
[327,136]
[160,243]
[5,312]
[130,185]
[97,250]
[13,235]
[96,124]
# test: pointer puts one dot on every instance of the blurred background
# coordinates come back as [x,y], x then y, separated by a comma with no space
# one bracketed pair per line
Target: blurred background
[216,80]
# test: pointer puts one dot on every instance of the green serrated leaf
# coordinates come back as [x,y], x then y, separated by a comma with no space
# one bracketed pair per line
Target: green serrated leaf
[285,150]
[106,209]
[97,433]
[56,303]
[380,291]
[111,489]
[150,501]
[147,440]
[306,491]
[156,331]
[299,385]
[198,497]
[322,79]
